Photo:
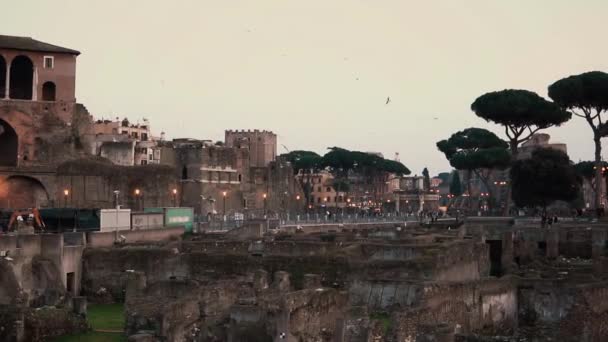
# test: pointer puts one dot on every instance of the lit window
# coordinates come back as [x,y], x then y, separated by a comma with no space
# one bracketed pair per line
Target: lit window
[49,62]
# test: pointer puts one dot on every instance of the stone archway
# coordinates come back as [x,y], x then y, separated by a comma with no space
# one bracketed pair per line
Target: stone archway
[2,77]
[23,192]
[21,78]
[9,144]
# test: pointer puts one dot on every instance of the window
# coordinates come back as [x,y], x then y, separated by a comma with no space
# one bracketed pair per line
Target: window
[134,135]
[124,132]
[151,157]
[318,199]
[319,189]
[328,189]
[144,162]
[48,91]
[49,62]
[144,136]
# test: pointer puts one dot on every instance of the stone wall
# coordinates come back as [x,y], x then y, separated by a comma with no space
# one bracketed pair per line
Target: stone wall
[575,312]
[92,183]
[38,268]
[489,306]
[108,239]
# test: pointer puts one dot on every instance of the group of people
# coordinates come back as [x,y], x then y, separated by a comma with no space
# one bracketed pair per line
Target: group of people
[548,220]
[429,216]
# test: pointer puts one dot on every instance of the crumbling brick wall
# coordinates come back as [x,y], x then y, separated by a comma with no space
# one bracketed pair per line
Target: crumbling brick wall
[92,183]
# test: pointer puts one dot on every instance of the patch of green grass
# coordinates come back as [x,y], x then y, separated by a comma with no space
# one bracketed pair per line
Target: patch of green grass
[384,318]
[106,316]
[102,317]
[93,337]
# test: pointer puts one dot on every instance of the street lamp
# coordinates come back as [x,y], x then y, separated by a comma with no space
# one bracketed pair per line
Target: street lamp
[174,197]
[297,204]
[137,198]
[224,205]
[265,195]
[66,193]
[116,193]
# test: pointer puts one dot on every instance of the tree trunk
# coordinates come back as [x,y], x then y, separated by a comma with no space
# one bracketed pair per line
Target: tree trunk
[469,197]
[514,152]
[598,172]
[486,181]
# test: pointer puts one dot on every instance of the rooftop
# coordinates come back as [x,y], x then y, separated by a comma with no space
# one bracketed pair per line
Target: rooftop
[29,44]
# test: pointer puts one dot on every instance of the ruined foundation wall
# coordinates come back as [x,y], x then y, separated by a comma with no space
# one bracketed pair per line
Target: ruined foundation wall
[489,306]
[93,181]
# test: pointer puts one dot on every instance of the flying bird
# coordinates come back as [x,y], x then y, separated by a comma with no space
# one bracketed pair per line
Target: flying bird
[388,99]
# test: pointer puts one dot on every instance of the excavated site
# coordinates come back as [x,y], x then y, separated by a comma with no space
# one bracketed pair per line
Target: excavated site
[481,281]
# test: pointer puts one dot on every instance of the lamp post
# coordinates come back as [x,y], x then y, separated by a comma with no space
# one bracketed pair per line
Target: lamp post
[297,209]
[66,193]
[297,204]
[202,206]
[116,193]
[137,194]
[265,195]
[174,191]
[224,204]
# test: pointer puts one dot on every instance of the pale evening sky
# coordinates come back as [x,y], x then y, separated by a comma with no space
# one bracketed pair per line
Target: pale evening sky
[318,72]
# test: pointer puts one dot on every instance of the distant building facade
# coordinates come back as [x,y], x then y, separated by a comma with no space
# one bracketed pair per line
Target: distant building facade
[224,178]
[539,140]
[262,145]
[125,143]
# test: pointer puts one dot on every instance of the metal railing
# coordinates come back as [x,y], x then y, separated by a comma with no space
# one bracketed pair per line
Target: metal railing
[223,224]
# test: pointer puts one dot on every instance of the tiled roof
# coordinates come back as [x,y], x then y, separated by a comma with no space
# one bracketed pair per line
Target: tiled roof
[29,44]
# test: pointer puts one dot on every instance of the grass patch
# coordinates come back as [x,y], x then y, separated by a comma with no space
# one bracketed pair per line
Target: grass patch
[103,317]
[93,337]
[106,316]
[384,318]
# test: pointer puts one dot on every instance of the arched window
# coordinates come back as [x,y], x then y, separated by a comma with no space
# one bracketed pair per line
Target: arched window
[240,178]
[48,91]
[8,145]
[2,77]
[184,173]
[23,192]
[22,78]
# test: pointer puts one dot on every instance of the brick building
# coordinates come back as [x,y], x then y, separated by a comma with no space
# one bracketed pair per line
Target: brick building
[216,173]
[125,143]
[261,144]
[41,125]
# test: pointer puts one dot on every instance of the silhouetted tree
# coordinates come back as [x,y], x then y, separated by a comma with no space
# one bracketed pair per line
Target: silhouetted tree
[586,169]
[522,113]
[427,179]
[307,163]
[455,185]
[586,95]
[477,151]
[546,177]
